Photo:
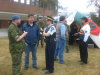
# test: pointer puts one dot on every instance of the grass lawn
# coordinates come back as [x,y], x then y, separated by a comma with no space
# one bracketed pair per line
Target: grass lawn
[71,66]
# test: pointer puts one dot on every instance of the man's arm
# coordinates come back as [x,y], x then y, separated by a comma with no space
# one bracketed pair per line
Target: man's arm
[87,34]
[50,32]
[22,36]
[38,32]
[46,34]
[63,31]
[16,36]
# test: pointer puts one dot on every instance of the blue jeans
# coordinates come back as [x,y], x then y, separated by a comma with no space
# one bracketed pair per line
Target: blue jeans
[33,49]
[60,48]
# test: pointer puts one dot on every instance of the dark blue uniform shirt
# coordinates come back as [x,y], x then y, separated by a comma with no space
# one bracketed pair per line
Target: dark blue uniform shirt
[33,33]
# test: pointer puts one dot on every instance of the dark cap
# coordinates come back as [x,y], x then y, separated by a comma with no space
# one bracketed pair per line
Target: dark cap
[85,19]
[16,17]
[55,21]
[40,17]
[62,18]
[29,15]
[49,18]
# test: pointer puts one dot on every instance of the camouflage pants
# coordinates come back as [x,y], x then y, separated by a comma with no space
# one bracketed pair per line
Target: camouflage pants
[67,46]
[16,63]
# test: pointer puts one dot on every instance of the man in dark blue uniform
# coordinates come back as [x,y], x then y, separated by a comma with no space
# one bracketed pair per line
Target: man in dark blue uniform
[50,36]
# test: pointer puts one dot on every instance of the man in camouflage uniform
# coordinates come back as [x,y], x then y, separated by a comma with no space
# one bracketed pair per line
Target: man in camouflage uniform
[67,43]
[41,25]
[16,44]
[67,39]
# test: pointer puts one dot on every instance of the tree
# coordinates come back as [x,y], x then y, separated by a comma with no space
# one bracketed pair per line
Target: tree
[95,2]
[95,17]
[49,4]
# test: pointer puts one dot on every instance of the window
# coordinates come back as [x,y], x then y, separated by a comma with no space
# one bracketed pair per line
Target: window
[27,1]
[22,1]
[16,0]
[32,2]
[37,2]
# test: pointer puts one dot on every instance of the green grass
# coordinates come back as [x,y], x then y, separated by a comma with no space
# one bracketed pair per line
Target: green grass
[71,66]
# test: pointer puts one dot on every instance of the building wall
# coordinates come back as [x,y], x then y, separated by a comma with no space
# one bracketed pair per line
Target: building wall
[4,23]
[16,7]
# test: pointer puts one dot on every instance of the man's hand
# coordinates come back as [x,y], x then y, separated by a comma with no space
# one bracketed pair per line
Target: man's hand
[77,39]
[76,34]
[22,36]
[46,34]
[41,33]
[41,29]
[25,33]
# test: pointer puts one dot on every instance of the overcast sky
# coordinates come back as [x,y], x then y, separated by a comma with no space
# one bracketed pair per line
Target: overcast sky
[79,5]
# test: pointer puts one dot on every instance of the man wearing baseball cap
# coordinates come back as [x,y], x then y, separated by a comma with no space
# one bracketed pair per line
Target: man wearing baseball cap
[83,40]
[61,36]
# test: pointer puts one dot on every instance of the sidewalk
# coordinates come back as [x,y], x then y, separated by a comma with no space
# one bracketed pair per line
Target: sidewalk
[3,33]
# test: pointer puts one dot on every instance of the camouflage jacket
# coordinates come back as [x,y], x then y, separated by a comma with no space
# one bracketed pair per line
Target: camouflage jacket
[41,24]
[13,33]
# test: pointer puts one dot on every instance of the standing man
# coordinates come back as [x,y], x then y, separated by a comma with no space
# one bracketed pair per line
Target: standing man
[31,40]
[50,39]
[55,22]
[83,40]
[16,44]
[41,25]
[61,35]
[74,29]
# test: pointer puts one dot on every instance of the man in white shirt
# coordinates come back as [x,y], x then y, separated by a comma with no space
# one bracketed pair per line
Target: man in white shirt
[83,37]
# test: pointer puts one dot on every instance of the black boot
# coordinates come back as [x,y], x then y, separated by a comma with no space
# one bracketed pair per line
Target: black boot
[48,72]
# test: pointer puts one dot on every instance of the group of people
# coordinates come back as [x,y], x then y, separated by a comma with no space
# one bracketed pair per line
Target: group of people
[55,35]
